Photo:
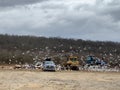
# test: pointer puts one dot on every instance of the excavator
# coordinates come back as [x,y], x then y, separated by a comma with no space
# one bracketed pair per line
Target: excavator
[92,60]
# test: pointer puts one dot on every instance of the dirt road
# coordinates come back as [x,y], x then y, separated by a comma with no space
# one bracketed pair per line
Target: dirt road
[67,80]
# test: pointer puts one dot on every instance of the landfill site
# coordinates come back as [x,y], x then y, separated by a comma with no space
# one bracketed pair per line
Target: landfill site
[59,44]
[58,64]
[69,73]
[47,75]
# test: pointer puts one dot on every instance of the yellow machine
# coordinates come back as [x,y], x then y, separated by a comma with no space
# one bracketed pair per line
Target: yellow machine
[72,63]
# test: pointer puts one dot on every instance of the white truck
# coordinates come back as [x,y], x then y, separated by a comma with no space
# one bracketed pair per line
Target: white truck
[48,65]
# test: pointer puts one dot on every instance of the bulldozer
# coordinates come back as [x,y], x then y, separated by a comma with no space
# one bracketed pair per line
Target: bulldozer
[72,63]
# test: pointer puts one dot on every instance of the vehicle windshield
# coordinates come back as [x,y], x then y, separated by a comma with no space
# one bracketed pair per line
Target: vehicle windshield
[48,62]
[73,59]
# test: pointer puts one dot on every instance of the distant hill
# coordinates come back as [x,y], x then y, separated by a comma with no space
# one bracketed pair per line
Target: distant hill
[14,49]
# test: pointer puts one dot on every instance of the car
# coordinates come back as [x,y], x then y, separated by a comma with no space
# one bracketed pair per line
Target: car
[48,65]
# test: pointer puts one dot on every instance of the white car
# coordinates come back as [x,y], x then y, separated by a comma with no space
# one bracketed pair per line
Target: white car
[49,66]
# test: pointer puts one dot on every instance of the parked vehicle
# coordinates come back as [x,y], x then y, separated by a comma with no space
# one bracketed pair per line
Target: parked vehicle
[48,65]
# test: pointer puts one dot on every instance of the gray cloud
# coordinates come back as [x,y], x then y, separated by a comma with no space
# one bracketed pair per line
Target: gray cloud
[93,20]
[9,3]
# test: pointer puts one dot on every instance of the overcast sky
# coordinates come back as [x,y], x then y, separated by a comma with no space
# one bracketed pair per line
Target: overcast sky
[79,19]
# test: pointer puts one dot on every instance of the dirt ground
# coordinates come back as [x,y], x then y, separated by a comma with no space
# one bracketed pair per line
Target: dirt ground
[65,80]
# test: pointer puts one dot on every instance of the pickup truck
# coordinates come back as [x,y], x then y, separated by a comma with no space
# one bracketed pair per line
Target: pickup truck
[48,65]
